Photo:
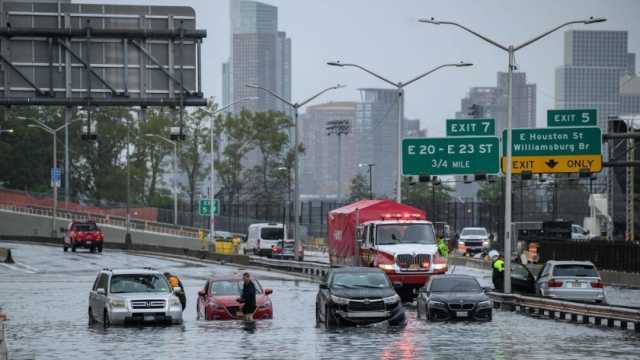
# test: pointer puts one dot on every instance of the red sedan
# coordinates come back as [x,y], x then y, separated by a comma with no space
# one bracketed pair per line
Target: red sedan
[218,300]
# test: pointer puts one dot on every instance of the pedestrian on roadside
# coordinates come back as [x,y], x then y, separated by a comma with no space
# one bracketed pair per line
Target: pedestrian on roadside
[497,265]
[175,282]
[248,298]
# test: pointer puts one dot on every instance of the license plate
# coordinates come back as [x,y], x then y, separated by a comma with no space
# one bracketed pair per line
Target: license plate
[462,314]
[413,267]
[149,318]
[577,285]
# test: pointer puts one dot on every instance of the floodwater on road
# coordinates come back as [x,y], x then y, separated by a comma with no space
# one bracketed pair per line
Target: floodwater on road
[45,296]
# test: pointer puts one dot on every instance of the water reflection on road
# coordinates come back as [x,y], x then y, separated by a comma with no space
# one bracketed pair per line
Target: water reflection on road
[48,319]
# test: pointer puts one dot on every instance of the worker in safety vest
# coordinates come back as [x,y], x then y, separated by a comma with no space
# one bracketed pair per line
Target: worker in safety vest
[497,265]
[175,282]
[443,249]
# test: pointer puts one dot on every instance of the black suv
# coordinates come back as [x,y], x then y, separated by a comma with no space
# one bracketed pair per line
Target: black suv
[358,296]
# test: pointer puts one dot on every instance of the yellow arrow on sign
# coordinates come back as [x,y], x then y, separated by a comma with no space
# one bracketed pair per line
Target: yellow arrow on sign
[553,164]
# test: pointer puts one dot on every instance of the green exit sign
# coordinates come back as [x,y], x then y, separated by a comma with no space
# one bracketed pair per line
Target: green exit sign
[204,207]
[471,127]
[450,155]
[556,118]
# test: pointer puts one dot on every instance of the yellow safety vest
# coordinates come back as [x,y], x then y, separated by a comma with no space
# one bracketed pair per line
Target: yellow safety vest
[499,265]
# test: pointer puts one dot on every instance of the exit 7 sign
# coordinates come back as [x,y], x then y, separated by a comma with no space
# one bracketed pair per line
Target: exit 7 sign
[471,127]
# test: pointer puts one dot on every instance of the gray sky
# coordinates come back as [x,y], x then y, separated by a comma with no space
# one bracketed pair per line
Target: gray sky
[384,36]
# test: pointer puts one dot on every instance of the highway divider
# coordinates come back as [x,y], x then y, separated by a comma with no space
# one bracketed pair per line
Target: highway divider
[619,317]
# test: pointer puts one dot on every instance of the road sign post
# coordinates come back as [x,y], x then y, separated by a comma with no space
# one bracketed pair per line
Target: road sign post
[204,207]
[555,150]
[450,156]
[559,118]
[471,127]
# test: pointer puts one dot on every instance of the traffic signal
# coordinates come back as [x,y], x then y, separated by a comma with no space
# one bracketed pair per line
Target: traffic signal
[176,133]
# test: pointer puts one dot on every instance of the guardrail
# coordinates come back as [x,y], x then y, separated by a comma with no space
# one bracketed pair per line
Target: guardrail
[3,343]
[313,269]
[609,316]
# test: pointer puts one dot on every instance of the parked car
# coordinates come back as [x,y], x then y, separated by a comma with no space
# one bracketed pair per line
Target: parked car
[218,300]
[124,296]
[474,239]
[522,279]
[450,297]
[571,280]
[84,234]
[580,233]
[358,296]
[262,237]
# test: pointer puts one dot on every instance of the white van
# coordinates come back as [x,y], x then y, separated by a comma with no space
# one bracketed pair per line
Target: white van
[262,237]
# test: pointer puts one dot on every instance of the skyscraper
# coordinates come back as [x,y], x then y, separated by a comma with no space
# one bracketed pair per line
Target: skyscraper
[491,102]
[320,160]
[260,55]
[594,63]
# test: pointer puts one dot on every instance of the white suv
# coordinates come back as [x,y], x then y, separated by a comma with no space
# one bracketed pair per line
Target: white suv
[133,296]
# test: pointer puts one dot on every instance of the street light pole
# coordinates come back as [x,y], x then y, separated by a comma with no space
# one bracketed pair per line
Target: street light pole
[175,173]
[400,88]
[511,53]
[370,178]
[296,184]
[54,134]
[212,175]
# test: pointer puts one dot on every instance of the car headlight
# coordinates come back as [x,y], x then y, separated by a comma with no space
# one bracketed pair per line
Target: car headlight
[461,242]
[174,301]
[339,300]
[391,299]
[485,243]
[118,303]
[436,303]
[387,266]
[485,304]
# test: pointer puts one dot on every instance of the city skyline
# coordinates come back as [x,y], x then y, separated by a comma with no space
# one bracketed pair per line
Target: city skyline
[398,47]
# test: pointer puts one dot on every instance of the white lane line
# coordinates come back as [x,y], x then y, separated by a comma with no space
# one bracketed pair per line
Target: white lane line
[17,269]
[27,267]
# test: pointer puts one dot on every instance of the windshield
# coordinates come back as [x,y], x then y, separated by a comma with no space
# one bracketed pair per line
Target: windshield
[86,227]
[575,270]
[272,233]
[455,285]
[361,280]
[230,287]
[474,232]
[389,234]
[130,283]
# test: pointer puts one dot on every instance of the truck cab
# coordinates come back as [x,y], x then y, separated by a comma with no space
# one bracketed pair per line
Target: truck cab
[406,250]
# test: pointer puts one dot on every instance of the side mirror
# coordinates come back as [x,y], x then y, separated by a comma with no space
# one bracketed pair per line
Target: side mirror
[201,293]
[323,286]
[268,291]
[101,291]
[177,290]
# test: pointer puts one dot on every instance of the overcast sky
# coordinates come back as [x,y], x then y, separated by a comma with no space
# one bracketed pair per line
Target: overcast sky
[385,36]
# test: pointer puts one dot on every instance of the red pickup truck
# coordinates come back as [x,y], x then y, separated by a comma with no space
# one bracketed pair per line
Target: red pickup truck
[84,234]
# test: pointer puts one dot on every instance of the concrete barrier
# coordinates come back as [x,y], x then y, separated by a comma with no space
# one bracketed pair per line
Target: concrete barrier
[3,343]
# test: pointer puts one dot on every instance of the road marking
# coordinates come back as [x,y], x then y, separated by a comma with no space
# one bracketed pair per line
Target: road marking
[27,267]
[17,269]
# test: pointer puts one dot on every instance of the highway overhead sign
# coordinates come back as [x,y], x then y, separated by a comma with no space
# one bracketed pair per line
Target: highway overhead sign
[450,156]
[554,164]
[471,127]
[555,141]
[557,118]
[555,150]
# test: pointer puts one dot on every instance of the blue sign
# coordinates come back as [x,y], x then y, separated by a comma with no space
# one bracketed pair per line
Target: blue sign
[55,176]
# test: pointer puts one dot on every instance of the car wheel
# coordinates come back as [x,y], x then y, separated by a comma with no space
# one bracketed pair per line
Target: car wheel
[65,247]
[91,319]
[329,318]
[105,319]
[92,248]
[100,246]
[73,247]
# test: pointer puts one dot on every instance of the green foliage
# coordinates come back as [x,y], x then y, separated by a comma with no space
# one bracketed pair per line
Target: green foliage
[490,193]
[425,194]
[359,188]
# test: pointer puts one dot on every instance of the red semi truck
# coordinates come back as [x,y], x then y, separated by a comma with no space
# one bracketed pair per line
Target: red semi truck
[391,236]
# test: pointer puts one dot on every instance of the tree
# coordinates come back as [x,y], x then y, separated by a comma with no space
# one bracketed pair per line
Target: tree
[490,192]
[359,188]
[425,195]
[191,150]
[153,151]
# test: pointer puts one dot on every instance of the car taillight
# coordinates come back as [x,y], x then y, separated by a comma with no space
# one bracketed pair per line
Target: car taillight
[554,283]
[597,284]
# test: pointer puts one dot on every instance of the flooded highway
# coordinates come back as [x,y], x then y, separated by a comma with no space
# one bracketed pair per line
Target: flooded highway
[45,295]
